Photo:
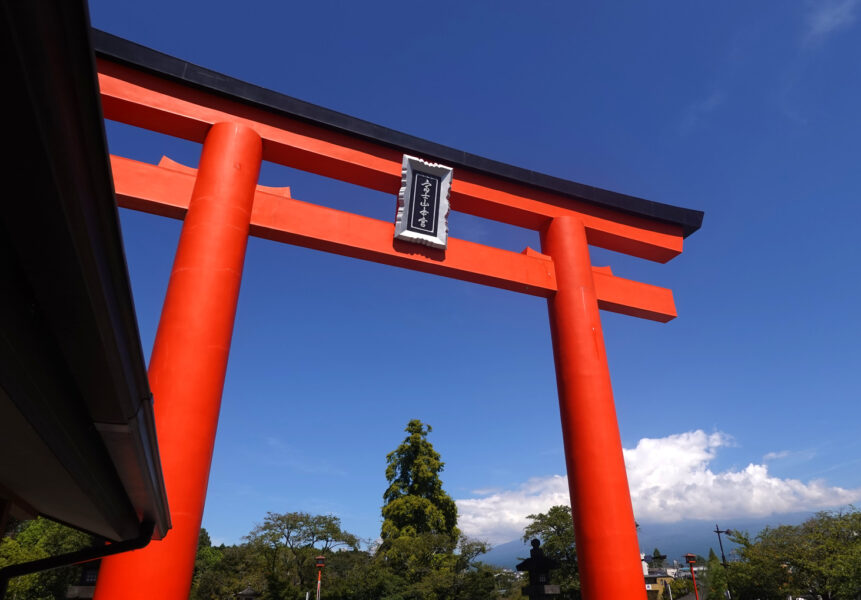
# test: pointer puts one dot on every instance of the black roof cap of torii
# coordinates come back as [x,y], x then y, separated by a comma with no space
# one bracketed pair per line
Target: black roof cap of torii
[121,50]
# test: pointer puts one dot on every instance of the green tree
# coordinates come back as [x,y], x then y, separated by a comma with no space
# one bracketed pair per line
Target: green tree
[356,575]
[657,559]
[414,502]
[32,540]
[423,555]
[555,529]
[288,543]
[222,571]
[427,567]
[207,557]
[422,551]
[277,559]
[829,561]
[760,571]
[680,587]
[822,556]
[715,584]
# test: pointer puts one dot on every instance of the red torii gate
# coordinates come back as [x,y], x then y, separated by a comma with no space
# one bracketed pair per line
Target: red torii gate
[221,204]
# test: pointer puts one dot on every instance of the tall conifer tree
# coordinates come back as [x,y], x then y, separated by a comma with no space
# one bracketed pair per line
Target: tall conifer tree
[415,502]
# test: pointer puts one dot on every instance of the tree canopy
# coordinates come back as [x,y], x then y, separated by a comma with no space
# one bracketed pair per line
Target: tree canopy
[421,545]
[820,557]
[414,502]
[32,540]
[289,542]
[715,582]
[555,529]
[422,555]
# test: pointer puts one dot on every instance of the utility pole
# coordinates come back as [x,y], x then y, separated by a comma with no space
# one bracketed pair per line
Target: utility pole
[719,531]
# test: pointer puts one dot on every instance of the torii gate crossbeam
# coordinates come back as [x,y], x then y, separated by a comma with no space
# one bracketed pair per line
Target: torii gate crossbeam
[221,204]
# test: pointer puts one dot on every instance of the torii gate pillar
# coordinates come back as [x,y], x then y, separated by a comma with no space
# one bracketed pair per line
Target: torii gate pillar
[607,547]
[189,360]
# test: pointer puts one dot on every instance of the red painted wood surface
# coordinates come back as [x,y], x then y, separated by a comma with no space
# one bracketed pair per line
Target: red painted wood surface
[165,190]
[608,554]
[136,98]
[189,360]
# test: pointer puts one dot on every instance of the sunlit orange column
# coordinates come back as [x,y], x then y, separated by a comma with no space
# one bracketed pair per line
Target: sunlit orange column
[189,360]
[607,548]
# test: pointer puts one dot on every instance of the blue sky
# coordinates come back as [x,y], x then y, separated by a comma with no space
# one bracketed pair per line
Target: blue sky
[746,405]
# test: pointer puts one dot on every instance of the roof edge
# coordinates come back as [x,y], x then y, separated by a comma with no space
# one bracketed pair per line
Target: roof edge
[70,234]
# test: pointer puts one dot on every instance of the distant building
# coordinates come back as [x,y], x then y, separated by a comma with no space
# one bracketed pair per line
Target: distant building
[656,586]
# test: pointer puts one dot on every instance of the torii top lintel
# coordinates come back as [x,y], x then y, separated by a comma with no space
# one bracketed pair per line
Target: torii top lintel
[369,154]
[145,88]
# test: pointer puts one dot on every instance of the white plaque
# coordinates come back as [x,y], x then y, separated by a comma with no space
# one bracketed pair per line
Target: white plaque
[423,203]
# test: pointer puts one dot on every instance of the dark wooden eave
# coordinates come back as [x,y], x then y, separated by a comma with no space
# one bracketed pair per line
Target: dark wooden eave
[77,437]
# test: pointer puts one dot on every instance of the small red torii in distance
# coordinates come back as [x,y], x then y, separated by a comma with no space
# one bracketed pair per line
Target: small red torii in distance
[241,125]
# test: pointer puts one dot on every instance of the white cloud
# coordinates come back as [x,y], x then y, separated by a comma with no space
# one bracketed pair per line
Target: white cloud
[827,17]
[670,480]
[501,516]
[776,455]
